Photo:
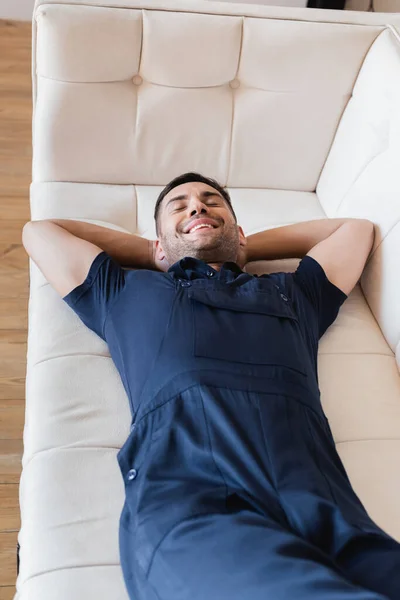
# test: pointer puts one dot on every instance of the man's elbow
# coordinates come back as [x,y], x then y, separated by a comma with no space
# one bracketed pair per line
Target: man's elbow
[365,232]
[370,231]
[369,225]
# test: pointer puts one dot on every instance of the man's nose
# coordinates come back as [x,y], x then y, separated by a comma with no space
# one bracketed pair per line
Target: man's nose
[197,206]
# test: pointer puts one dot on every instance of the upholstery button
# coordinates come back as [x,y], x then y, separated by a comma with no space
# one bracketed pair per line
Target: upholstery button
[185,283]
[132,474]
[137,80]
[284,297]
[234,84]
[210,273]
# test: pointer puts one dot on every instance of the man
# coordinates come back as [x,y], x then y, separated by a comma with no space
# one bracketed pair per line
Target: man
[234,489]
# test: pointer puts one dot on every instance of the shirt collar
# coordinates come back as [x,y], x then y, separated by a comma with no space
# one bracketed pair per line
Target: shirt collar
[193,268]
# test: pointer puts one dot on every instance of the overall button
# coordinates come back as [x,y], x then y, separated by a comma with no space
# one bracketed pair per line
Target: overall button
[210,273]
[132,474]
[133,426]
[185,283]
[284,297]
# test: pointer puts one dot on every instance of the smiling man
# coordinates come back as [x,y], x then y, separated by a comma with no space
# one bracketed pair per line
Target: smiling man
[209,233]
[234,488]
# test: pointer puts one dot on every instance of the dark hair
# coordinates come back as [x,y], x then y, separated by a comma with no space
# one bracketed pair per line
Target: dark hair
[187,178]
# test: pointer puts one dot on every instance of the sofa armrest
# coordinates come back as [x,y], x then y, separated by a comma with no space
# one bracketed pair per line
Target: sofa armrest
[361,177]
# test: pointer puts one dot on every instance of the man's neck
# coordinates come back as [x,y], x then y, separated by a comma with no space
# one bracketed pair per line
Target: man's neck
[216,266]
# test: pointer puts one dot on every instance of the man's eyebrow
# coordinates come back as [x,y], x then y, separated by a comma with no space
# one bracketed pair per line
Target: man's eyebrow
[205,194]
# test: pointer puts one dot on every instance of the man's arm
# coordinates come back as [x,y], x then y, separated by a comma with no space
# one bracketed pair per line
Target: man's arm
[128,250]
[64,250]
[340,246]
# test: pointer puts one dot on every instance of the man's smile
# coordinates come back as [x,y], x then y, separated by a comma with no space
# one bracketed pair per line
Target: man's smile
[201,224]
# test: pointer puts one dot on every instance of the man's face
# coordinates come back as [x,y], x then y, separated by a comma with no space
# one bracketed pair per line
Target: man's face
[218,240]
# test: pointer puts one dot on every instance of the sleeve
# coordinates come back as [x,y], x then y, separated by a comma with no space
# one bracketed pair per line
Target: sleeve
[92,299]
[324,297]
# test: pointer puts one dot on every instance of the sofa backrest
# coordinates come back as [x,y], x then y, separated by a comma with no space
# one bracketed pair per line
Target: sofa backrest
[257,97]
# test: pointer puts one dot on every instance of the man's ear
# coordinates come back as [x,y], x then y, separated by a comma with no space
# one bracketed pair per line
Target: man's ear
[159,250]
[160,260]
[242,237]
[241,259]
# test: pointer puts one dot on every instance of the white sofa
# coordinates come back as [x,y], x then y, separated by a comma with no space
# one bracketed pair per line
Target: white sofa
[297,112]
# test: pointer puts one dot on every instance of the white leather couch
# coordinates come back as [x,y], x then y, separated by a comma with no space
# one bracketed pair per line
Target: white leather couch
[297,112]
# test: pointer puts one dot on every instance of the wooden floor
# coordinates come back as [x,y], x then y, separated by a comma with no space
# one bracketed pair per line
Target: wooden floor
[15,178]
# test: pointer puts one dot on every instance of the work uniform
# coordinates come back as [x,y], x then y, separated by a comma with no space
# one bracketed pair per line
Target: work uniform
[233,486]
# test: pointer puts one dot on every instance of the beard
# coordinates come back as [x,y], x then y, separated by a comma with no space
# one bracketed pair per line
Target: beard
[222,245]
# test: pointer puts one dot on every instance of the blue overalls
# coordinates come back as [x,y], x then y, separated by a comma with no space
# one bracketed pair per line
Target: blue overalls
[234,489]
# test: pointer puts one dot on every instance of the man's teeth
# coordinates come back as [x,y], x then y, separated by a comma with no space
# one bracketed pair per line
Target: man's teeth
[199,226]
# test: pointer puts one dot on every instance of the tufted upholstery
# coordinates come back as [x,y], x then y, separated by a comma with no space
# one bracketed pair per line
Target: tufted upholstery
[295,110]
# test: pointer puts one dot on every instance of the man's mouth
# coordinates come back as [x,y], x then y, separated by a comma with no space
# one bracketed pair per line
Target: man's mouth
[201,224]
[198,227]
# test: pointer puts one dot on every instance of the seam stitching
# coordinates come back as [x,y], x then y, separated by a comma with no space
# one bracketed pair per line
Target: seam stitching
[211,451]
[317,462]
